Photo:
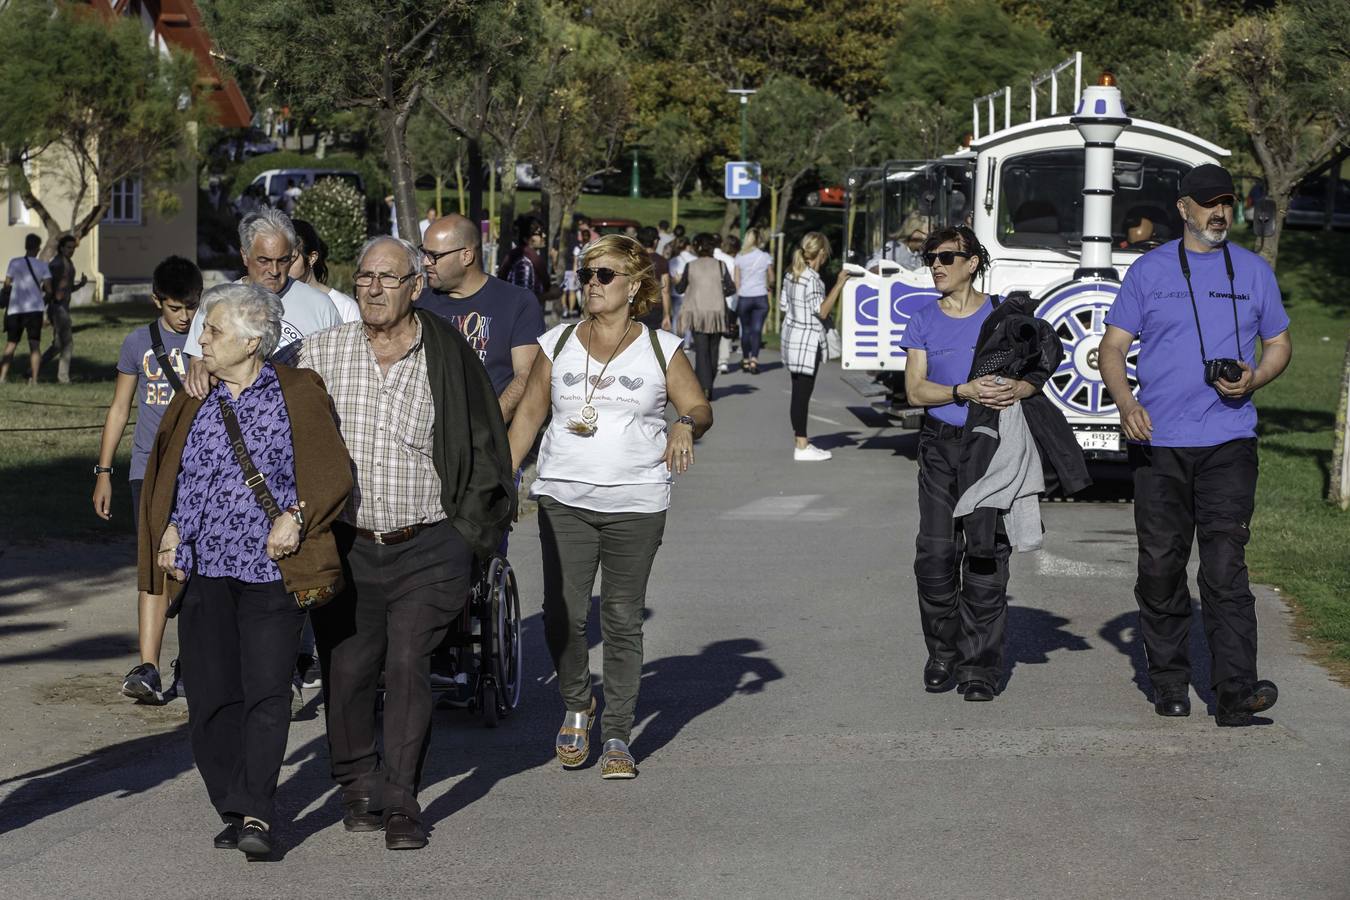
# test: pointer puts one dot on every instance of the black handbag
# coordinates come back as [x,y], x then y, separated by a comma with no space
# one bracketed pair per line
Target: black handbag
[309,598]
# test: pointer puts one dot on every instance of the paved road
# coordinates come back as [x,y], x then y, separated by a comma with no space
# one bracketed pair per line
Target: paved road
[786,747]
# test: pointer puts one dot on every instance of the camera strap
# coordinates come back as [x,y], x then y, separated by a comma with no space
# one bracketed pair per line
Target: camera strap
[1232,298]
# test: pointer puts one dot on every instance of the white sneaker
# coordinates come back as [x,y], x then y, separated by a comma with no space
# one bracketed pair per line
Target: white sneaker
[810,453]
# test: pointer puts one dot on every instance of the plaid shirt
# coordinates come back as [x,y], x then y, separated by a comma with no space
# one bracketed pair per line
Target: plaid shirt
[386,420]
[802,334]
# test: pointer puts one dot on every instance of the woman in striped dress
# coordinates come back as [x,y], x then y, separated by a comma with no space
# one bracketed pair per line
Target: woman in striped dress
[804,303]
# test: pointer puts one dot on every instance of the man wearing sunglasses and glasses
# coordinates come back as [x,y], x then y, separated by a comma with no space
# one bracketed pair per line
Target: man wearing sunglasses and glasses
[268,245]
[434,489]
[1197,307]
[501,322]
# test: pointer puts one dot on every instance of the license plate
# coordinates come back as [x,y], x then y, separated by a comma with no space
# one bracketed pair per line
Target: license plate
[1098,440]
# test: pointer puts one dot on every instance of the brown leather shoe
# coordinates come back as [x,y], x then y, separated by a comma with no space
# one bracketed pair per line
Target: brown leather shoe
[356,815]
[403,833]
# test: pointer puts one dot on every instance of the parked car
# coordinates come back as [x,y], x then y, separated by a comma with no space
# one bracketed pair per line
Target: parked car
[826,196]
[1307,206]
[609,225]
[272,183]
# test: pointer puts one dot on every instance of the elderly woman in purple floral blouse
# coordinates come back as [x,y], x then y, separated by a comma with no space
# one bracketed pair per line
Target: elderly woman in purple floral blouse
[248,556]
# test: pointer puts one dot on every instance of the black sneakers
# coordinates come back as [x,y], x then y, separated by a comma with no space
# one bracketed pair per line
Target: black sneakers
[307,667]
[142,685]
[1238,702]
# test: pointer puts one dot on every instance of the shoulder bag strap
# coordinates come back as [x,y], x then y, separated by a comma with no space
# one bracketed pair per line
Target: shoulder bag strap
[567,333]
[162,355]
[656,348]
[37,283]
[252,477]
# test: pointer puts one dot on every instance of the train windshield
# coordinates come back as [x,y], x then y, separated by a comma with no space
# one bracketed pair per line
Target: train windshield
[1041,202]
[894,208]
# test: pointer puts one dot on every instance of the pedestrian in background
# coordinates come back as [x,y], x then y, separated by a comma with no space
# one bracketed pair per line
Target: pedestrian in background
[240,492]
[804,304]
[27,290]
[605,470]
[659,315]
[64,286]
[731,336]
[150,370]
[1192,433]
[311,268]
[681,256]
[268,242]
[524,266]
[754,280]
[705,284]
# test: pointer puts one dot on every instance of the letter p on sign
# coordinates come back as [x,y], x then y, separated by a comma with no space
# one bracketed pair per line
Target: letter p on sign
[742,180]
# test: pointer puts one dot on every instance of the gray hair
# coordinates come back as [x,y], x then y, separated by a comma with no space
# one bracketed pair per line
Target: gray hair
[266,219]
[414,255]
[256,312]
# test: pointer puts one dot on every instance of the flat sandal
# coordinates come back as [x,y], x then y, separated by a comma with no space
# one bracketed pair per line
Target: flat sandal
[616,761]
[573,744]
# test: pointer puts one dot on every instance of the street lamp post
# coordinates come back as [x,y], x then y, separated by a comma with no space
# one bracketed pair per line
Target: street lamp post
[635,188]
[744,94]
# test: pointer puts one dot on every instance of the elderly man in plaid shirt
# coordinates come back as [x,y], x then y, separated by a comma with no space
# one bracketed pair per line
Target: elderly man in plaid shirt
[433,489]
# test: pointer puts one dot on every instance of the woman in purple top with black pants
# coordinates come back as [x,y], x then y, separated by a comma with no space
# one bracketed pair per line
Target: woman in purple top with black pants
[246,566]
[963,600]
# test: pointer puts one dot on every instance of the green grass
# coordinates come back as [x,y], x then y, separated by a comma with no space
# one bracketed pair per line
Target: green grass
[1299,541]
[49,434]
[696,213]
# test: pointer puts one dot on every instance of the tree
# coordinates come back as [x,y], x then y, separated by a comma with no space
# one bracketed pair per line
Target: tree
[373,55]
[1283,77]
[676,146]
[580,125]
[123,110]
[498,95]
[794,128]
[437,151]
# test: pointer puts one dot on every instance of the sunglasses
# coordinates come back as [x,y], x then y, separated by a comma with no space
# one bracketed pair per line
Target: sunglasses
[586,273]
[946,257]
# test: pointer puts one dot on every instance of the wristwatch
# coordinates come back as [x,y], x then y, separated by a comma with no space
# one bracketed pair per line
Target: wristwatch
[298,514]
[685,420]
[103,470]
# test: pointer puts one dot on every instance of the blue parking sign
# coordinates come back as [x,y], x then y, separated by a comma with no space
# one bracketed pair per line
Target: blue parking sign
[742,180]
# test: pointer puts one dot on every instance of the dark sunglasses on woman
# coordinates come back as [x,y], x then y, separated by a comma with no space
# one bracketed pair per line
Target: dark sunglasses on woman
[946,257]
[586,273]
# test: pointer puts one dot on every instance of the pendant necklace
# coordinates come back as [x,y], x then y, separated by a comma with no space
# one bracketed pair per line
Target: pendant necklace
[586,425]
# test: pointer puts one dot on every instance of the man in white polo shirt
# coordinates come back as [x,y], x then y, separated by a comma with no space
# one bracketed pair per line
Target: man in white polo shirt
[267,244]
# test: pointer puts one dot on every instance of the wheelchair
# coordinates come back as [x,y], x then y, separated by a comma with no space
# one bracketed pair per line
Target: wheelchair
[478,665]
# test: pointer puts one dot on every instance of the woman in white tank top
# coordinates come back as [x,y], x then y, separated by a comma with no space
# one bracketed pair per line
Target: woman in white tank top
[605,470]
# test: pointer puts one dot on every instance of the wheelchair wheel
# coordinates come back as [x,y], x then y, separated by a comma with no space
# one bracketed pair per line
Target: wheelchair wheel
[489,702]
[507,655]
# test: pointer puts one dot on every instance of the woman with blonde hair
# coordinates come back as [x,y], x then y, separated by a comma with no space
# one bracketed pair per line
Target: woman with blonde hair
[754,280]
[805,304]
[605,471]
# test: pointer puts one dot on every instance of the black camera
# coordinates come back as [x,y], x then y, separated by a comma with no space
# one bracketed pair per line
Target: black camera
[1222,370]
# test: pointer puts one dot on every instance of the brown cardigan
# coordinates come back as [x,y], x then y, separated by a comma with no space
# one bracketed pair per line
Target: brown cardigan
[323,480]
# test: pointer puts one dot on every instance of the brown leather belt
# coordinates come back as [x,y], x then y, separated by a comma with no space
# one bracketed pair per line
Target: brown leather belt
[397,536]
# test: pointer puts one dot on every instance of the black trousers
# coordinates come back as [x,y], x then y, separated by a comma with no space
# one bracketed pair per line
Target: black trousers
[399,602]
[237,644]
[705,358]
[1183,493]
[803,386]
[963,600]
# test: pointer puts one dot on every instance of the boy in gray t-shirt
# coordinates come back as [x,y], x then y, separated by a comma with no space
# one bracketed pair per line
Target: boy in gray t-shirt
[142,380]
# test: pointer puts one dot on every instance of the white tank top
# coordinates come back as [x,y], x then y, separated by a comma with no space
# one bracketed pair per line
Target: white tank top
[620,467]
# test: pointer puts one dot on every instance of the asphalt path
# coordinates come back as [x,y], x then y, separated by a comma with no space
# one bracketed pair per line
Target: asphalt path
[785,744]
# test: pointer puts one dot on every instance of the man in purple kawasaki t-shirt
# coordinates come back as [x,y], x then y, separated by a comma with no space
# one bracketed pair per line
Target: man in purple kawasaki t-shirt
[1197,307]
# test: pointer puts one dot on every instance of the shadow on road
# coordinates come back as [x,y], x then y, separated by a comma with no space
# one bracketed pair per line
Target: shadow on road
[678,689]
[125,769]
[1122,632]
[1032,635]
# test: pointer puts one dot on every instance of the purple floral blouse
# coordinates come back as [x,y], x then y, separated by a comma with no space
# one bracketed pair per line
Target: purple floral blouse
[222,530]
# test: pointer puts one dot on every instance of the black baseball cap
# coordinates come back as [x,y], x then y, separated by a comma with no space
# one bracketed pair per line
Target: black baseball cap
[1207,183]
